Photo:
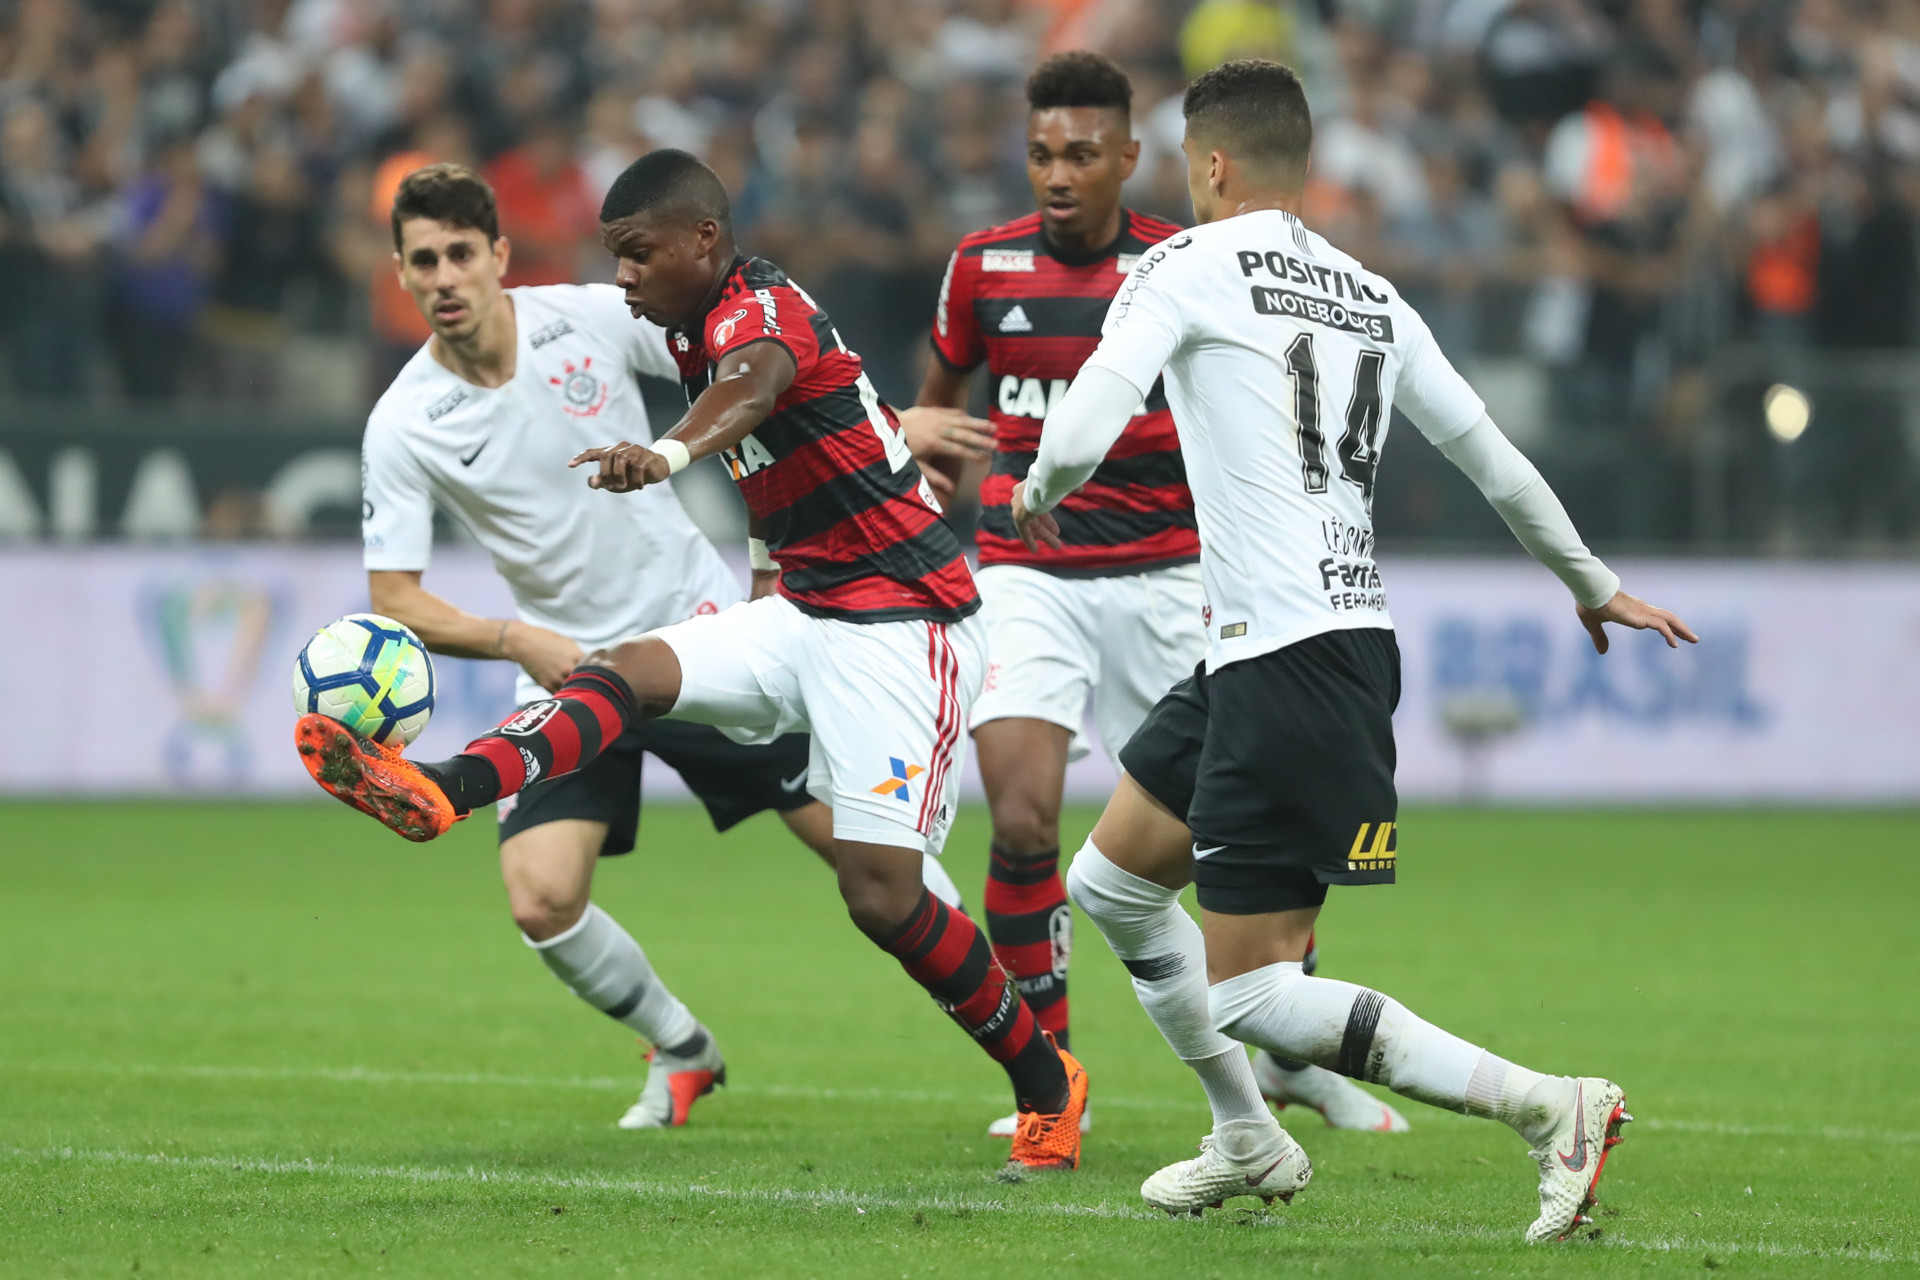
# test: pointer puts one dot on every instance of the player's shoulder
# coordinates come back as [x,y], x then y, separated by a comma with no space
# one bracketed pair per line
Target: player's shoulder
[1144,230]
[422,393]
[1022,234]
[549,311]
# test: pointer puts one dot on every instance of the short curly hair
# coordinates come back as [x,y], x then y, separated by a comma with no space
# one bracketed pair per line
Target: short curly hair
[448,193]
[1254,109]
[1079,79]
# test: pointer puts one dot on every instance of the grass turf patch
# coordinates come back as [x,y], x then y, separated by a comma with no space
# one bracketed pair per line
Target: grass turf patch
[256,1040]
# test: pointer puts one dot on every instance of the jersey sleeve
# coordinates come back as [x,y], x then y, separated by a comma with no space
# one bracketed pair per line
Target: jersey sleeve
[1430,391]
[1144,324]
[770,313]
[642,343]
[956,329]
[396,504]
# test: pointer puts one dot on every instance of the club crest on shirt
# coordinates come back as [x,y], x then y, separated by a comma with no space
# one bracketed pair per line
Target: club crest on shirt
[583,393]
[723,332]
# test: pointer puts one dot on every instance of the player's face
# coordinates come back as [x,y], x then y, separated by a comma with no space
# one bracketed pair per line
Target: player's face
[666,266]
[1077,157]
[453,274]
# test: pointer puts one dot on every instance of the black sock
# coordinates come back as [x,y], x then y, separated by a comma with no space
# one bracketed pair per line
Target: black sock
[471,782]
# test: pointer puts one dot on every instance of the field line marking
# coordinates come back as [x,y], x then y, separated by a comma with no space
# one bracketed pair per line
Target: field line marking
[481,1079]
[476,1176]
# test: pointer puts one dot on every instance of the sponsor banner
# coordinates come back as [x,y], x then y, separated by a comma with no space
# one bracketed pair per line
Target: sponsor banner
[168,671]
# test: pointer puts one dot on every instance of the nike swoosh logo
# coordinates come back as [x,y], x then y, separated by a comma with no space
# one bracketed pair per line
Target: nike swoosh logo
[793,784]
[1198,852]
[1255,1179]
[1577,1161]
[466,459]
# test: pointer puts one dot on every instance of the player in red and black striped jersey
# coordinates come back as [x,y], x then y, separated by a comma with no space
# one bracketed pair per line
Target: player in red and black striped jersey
[828,475]
[1114,615]
[862,632]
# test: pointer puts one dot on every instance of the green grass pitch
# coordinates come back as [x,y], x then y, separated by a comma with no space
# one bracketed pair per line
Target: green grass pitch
[275,1041]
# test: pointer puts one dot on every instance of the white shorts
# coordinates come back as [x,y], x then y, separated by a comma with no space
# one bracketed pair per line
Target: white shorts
[1052,641]
[884,701]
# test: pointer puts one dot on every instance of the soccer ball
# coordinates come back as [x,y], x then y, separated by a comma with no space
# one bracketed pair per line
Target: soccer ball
[369,673]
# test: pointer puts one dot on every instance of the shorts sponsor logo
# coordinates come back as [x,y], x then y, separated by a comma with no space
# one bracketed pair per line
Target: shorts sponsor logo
[531,763]
[1233,631]
[1377,855]
[1007,260]
[896,786]
[528,719]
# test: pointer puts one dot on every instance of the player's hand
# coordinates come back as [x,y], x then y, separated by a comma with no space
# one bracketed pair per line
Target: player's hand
[547,656]
[1036,528]
[935,434]
[624,467]
[1631,611]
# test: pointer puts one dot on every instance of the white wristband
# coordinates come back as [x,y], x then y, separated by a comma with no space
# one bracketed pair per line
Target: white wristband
[759,558]
[675,453]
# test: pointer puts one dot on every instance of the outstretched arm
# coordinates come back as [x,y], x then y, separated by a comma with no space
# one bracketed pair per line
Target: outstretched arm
[1075,437]
[746,384]
[1520,494]
[444,627]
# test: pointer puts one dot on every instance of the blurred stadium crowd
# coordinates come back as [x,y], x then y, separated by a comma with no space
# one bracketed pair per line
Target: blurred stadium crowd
[1627,219]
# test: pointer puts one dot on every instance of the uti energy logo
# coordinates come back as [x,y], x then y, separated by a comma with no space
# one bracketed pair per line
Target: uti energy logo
[896,786]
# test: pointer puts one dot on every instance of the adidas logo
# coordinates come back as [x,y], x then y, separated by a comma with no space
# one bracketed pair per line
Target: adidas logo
[1015,321]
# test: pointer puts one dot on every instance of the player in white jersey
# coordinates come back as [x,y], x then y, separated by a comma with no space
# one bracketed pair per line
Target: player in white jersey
[482,422]
[1268,775]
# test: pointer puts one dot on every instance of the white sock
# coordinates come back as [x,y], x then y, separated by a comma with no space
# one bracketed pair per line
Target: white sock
[1368,1036]
[1162,948]
[602,964]
[1314,1086]
[934,876]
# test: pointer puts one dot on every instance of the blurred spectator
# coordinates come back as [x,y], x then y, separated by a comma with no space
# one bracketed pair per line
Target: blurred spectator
[547,210]
[49,255]
[169,247]
[275,246]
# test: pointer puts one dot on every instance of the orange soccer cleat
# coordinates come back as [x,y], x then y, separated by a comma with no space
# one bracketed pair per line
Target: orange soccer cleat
[376,780]
[1051,1140]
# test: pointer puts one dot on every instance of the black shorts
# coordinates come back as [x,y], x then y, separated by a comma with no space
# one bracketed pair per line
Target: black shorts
[1282,767]
[733,781]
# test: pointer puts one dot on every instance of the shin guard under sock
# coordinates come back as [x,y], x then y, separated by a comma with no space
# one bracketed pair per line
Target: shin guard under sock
[541,740]
[946,953]
[1032,930]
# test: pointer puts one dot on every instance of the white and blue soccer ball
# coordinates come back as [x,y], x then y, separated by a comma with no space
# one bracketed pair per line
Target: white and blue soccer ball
[371,674]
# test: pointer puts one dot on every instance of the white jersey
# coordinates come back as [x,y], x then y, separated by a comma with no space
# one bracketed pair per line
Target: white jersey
[594,566]
[1284,359]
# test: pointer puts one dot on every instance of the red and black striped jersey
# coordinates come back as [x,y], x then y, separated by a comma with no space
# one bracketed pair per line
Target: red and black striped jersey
[857,532]
[1033,313]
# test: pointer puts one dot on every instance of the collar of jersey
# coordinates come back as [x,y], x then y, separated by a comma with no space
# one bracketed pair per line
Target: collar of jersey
[1091,256]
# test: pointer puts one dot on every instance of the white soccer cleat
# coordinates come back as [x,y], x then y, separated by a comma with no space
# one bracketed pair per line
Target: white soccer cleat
[1573,1154]
[1005,1125]
[1239,1158]
[674,1084]
[1344,1104]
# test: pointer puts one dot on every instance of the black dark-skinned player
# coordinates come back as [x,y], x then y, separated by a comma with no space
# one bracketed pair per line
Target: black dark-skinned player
[863,629]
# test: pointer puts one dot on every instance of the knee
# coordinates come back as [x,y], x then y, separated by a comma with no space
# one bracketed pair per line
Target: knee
[543,913]
[649,667]
[1112,897]
[877,901]
[1025,828]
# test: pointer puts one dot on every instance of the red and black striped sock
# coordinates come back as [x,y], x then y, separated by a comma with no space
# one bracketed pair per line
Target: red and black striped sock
[946,953]
[541,740]
[1032,929]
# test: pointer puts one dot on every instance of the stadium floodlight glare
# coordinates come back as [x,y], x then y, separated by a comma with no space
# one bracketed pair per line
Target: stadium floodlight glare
[1788,412]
